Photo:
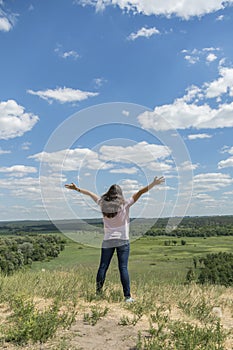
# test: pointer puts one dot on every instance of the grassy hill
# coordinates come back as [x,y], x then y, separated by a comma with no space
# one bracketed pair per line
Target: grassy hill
[53,305]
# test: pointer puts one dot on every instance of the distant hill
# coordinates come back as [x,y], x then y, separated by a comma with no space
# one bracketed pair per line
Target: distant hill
[44,226]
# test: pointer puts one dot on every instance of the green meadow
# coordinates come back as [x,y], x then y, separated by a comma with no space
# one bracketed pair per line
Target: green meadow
[53,305]
[149,256]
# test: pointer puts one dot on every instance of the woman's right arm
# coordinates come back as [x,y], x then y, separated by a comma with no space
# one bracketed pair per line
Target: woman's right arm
[156,181]
[74,187]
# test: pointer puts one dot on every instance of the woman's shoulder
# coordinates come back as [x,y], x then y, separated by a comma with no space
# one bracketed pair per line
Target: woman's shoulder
[129,202]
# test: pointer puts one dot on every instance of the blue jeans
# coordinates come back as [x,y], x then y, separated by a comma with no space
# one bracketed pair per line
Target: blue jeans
[106,257]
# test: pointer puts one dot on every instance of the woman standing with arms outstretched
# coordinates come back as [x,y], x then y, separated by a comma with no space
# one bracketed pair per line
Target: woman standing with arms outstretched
[115,210]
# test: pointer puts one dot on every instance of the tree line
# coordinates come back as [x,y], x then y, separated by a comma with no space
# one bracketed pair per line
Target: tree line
[215,268]
[17,252]
[202,231]
[189,226]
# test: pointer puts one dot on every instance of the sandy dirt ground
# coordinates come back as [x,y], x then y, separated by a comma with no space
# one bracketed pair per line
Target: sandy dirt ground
[107,333]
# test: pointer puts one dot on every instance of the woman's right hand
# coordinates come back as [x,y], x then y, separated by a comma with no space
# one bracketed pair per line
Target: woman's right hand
[72,186]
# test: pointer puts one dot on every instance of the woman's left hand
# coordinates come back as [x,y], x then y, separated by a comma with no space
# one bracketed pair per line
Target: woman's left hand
[159,180]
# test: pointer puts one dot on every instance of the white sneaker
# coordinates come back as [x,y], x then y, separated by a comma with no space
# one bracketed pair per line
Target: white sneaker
[129,300]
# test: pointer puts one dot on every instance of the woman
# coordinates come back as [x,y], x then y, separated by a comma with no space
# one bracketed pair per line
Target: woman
[115,210]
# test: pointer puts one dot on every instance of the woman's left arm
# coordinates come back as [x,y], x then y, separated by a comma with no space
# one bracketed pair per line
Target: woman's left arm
[156,181]
[74,187]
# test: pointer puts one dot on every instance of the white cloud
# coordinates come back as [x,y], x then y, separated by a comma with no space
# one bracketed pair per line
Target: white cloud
[203,197]
[63,95]
[211,57]
[191,59]
[129,186]
[27,192]
[178,115]
[222,85]
[132,170]
[21,185]
[159,166]
[71,159]
[199,136]
[5,24]
[26,146]
[227,162]
[230,150]
[209,49]
[183,115]
[7,20]
[211,181]
[14,121]
[99,82]
[144,32]
[228,193]
[71,53]
[225,149]
[193,93]
[187,166]
[184,9]
[28,189]
[66,54]
[141,153]
[220,18]
[126,113]
[15,169]
[207,54]
[2,151]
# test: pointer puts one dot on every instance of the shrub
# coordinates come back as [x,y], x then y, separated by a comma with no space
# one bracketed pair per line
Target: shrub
[96,314]
[16,252]
[26,323]
[218,269]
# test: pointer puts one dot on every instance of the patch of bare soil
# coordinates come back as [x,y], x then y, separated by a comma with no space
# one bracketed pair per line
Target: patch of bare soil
[107,333]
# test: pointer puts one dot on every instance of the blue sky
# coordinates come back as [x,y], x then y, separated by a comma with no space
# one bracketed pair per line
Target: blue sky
[98,92]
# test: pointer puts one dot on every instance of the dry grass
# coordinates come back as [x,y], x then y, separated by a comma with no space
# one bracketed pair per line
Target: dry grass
[196,305]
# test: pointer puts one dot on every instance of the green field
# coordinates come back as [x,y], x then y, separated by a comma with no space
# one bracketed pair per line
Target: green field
[149,257]
[164,301]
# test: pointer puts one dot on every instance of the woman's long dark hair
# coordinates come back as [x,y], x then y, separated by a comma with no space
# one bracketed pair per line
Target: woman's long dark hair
[111,201]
